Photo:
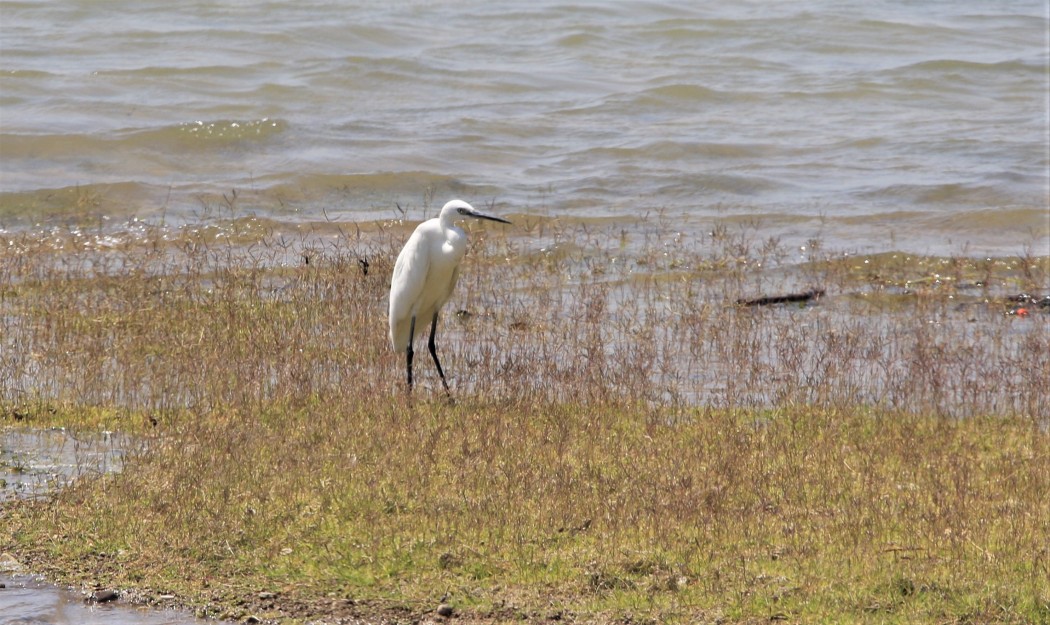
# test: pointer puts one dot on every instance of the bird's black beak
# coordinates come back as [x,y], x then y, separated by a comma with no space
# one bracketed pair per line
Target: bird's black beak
[492,218]
[480,215]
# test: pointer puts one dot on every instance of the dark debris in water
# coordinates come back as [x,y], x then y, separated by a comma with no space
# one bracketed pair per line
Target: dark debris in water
[1024,304]
[1024,299]
[769,300]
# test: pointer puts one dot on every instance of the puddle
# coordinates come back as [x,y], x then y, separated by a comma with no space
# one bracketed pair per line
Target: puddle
[29,601]
[32,463]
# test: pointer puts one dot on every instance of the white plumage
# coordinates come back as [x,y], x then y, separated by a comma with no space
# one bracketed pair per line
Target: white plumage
[425,274]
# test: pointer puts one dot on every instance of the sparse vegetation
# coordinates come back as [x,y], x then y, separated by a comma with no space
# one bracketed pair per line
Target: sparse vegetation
[627,443]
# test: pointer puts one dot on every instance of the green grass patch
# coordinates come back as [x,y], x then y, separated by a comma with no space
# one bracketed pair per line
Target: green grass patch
[576,509]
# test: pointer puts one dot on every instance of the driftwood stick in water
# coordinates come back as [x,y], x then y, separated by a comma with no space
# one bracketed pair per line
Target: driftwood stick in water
[782,299]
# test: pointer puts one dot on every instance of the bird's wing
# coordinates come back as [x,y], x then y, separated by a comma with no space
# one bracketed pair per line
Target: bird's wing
[410,274]
[451,284]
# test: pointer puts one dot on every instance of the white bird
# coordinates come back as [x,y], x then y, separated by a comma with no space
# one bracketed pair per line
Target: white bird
[424,276]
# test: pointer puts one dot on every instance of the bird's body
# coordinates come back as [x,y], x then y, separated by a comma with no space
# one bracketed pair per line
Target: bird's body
[425,274]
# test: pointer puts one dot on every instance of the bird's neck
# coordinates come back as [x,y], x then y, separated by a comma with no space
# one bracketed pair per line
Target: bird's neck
[450,228]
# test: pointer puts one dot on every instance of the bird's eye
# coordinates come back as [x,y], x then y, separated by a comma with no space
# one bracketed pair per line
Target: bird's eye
[462,210]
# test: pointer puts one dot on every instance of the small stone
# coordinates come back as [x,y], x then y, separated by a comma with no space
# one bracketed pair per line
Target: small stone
[445,610]
[103,596]
[252,619]
[8,563]
[266,596]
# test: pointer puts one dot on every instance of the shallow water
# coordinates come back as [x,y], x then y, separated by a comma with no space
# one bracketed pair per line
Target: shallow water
[33,461]
[868,125]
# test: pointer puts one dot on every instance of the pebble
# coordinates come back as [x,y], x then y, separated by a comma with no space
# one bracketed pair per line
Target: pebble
[103,596]
[445,610]
[9,564]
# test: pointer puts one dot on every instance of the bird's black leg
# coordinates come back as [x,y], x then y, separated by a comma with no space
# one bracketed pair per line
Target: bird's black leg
[434,355]
[408,352]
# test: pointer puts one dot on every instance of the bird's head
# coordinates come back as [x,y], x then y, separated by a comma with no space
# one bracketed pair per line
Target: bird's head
[458,209]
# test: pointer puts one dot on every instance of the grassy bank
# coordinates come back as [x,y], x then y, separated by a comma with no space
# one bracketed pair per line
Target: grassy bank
[627,443]
[584,510]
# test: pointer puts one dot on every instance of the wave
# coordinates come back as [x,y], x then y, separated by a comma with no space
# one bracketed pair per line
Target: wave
[679,93]
[205,135]
[185,137]
[952,194]
[385,185]
[1032,220]
[956,65]
[668,152]
[288,196]
[664,100]
[81,202]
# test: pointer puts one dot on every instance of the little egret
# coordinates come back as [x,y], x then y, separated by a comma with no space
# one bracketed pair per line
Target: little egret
[425,274]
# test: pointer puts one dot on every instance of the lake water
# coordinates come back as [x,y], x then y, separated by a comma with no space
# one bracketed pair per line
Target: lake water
[875,125]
